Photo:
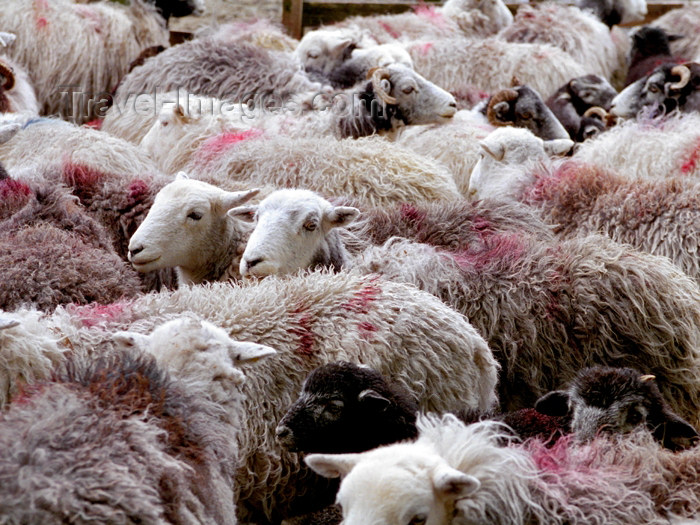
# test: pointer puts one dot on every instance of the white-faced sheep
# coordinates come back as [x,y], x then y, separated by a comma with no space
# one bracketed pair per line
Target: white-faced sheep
[455,474]
[647,149]
[546,308]
[489,65]
[16,92]
[116,439]
[405,334]
[52,38]
[577,32]
[660,216]
[618,400]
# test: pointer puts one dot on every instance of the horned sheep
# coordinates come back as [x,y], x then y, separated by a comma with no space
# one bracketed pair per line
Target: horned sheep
[522,293]
[658,216]
[309,320]
[16,92]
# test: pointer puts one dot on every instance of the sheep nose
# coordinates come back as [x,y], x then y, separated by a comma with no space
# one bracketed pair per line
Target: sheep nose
[253,262]
[283,432]
[453,105]
[135,251]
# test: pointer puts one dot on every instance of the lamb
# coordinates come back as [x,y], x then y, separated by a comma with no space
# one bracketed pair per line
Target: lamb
[51,42]
[488,65]
[455,474]
[577,32]
[618,400]
[123,442]
[654,149]
[407,335]
[572,104]
[651,48]
[523,294]
[655,216]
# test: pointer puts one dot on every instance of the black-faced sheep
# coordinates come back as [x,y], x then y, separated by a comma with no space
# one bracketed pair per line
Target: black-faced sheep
[52,37]
[547,308]
[618,400]
[651,48]
[115,439]
[455,474]
[613,12]
[405,334]
[660,216]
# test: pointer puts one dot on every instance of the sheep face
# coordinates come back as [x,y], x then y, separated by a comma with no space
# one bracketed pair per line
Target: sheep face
[617,400]
[345,407]
[180,8]
[186,222]
[499,173]
[200,352]
[404,484]
[323,50]
[293,230]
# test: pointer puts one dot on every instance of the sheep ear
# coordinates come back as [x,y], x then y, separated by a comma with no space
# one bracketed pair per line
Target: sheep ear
[451,482]
[554,403]
[179,113]
[374,397]
[340,45]
[249,352]
[675,432]
[340,216]
[558,146]
[235,198]
[497,151]
[181,175]
[8,131]
[673,38]
[243,213]
[7,322]
[332,465]
[131,339]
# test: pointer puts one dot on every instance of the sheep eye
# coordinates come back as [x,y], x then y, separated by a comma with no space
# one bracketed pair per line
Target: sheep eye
[419,519]
[526,115]
[195,216]
[408,90]
[310,226]
[164,123]
[634,417]
[653,88]
[312,54]
[335,407]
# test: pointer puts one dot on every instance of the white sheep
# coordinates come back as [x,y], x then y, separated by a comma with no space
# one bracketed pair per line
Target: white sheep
[407,335]
[16,92]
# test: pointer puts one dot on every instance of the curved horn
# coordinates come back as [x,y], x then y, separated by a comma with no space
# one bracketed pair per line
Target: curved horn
[596,111]
[377,74]
[515,81]
[684,73]
[8,74]
[505,95]
[647,378]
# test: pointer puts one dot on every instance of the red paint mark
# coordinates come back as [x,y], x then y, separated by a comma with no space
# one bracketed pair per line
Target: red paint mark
[412,214]
[137,189]
[26,392]
[303,331]
[41,22]
[13,188]
[94,124]
[432,14]
[425,48]
[363,298]
[481,227]
[95,314]
[496,250]
[215,146]
[79,175]
[366,330]
[690,165]
[386,27]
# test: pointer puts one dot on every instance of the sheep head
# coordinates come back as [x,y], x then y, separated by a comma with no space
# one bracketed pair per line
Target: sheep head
[7,74]
[499,108]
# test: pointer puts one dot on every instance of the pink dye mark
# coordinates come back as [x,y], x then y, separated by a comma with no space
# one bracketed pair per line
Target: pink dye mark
[366,330]
[94,124]
[215,146]
[425,48]
[386,27]
[13,188]
[92,16]
[499,249]
[412,214]
[303,331]
[432,14]
[690,165]
[41,22]
[363,298]
[95,314]
[137,189]
[79,175]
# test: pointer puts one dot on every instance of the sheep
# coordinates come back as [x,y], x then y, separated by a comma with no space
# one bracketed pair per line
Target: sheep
[123,442]
[577,32]
[655,216]
[572,103]
[262,33]
[455,474]
[682,21]
[653,149]
[68,255]
[362,60]
[613,12]
[617,400]
[525,295]
[666,89]
[51,41]
[651,48]
[16,93]
[215,67]
[490,64]
[188,229]
[405,334]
